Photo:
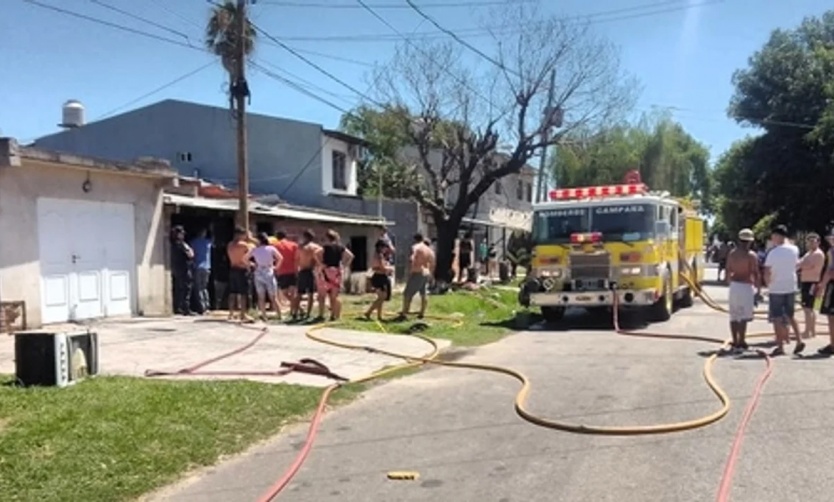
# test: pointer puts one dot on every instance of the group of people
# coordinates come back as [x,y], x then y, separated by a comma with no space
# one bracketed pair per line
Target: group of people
[746,275]
[304,270]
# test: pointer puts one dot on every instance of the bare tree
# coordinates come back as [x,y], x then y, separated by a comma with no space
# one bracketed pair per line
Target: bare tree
[467,120]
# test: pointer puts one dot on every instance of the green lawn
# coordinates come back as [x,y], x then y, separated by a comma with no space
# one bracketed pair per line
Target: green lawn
[487,315]
[115,438]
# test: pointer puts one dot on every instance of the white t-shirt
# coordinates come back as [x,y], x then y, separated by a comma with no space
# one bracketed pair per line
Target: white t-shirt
[265,256]
[782,261]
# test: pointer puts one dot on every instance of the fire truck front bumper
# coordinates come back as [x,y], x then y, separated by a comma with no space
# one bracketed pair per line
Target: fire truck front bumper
[625,298]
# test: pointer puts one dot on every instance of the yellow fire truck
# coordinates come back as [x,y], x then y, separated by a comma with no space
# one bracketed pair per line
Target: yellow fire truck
[592,243]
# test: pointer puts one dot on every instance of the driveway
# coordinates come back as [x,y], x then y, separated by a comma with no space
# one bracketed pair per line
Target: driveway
[131,346]
[458,429]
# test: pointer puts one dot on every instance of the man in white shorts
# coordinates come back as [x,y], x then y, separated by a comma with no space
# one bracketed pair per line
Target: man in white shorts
[743,277]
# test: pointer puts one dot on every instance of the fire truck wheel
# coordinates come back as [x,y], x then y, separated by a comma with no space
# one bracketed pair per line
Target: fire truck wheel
[553,314]
[662,310]
[688,299]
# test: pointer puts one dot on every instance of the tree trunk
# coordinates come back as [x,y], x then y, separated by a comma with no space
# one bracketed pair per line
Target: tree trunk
[447,230]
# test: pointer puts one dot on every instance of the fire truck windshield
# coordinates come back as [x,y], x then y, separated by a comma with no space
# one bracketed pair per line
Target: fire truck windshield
[555,226]
[624,222]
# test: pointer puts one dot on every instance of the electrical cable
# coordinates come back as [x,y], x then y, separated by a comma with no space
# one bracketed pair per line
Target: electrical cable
[500,65]
[156,90]
[611,15]
[438,5]
[142,19]
[112,25]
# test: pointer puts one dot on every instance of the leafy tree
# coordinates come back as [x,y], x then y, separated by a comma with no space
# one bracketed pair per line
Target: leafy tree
[786,92]
[444,131]
[667,157]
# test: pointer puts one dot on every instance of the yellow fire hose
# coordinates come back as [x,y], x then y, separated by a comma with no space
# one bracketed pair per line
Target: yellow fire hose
[526,387]
[523,393]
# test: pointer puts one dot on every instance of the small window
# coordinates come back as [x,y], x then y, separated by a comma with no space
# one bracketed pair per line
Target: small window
[339,165]
[498,187]
[184,156]
[519,190]
[529,192]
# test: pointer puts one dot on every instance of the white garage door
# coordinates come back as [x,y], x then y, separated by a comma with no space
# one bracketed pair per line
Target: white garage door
[86,258]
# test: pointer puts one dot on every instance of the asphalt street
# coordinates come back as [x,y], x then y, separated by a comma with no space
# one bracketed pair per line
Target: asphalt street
[458,429]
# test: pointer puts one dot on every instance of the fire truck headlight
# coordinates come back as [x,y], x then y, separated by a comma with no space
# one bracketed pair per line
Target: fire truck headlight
[553,273]
[631,271]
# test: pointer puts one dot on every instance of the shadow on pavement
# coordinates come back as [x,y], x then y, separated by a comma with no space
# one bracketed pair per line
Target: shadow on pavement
[574,320]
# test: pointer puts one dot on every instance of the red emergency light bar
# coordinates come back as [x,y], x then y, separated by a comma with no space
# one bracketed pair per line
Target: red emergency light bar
[593,237]
[598,191]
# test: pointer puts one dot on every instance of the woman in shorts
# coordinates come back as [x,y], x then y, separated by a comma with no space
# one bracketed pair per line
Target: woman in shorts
[267,259]
[380,279]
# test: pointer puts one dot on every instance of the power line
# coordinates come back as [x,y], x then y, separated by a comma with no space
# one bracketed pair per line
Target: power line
[314,65]
[112,25]
[299,80]
[500,65]
[610,15]
[466,44]
[156,90]
[443,5]
[142,19]
[174,13]
[405,38]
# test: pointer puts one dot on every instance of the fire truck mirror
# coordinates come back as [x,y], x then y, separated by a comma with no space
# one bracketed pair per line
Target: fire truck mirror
[661,228]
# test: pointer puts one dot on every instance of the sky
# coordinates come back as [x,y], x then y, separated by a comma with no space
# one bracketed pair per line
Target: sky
[683,52]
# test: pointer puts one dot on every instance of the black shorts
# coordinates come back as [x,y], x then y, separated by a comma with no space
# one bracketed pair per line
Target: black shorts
[381,282]
[239,281]
[306,281]
[286,281]
[464,263]
[827,307]
[806,295]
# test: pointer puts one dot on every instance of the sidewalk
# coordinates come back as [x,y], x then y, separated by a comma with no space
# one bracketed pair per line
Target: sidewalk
[131,346]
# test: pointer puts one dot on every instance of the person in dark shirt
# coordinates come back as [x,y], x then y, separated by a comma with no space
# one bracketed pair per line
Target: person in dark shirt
[466,247]
[182,263]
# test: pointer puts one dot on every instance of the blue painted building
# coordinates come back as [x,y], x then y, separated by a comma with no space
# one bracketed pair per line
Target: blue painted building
[301,162]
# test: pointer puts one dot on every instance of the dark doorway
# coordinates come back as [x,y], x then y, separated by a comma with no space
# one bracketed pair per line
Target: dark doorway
[359,248]
[264,227]
[220,228]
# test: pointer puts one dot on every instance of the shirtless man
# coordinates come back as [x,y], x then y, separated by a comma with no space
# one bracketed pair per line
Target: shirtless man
[742,274]
[238,252]
[810,274]
[421,268]
[309,263]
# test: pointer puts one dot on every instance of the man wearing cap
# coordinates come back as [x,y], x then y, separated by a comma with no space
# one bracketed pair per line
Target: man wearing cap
[780,275]
[742,274]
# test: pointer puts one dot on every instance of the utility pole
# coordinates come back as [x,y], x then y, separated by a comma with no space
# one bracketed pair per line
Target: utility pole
[240,91]
[548,119]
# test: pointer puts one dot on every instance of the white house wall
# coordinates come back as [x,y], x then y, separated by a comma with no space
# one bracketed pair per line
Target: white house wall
[20,188]
[330,145]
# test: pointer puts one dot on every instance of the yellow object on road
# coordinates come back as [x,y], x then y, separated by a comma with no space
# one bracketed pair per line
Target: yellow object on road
[404,475]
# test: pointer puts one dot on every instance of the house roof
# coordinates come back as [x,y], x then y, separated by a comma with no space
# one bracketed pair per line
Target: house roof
[347,138]
[12,154]
[280,211]
[182,106]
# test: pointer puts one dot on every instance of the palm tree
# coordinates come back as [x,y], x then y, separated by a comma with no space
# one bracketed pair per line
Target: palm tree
[222,34]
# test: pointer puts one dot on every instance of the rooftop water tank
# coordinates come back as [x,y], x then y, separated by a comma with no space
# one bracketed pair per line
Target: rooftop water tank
[72,115]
